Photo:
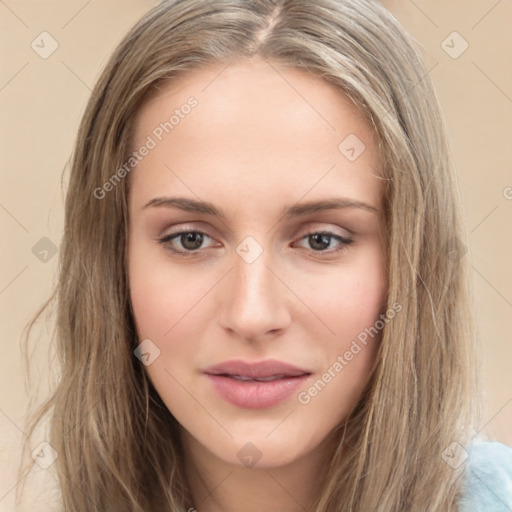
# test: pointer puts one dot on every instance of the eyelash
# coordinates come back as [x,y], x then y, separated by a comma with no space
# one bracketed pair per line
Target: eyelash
[167,238]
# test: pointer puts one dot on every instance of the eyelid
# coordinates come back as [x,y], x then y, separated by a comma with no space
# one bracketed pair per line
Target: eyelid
[184,228]
[320,227]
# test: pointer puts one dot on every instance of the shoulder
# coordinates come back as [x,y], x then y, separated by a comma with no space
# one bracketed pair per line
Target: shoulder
[488,478]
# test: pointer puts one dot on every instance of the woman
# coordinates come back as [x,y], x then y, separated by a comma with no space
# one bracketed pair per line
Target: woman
[262,301]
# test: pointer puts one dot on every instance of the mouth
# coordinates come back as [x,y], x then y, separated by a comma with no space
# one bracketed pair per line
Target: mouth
[269,369]
[257,385]
[244,378]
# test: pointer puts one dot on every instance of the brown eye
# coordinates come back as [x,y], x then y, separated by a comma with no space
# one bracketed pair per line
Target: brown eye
[189,241]
[320,241]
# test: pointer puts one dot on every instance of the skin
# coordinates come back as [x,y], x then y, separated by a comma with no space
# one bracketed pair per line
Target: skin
[253,146]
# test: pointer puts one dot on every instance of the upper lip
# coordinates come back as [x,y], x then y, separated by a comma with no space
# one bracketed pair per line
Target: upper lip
[266,368]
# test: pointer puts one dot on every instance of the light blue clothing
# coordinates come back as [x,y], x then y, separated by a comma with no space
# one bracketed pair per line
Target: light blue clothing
[488,484]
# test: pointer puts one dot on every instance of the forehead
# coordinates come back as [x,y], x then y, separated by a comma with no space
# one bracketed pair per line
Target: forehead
[255,125]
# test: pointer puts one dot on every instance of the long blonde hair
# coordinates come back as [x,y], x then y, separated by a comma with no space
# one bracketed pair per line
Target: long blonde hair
[117,442]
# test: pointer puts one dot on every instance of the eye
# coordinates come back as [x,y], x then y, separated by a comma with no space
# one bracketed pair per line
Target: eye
[321,240]
[190,241]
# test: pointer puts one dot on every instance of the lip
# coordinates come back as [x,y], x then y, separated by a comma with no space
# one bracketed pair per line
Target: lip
[233,381]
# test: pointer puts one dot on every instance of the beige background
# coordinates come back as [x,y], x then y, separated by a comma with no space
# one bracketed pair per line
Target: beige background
[41,101]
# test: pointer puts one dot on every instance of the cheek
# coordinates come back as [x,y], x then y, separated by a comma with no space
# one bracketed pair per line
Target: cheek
[349,298]
[166,306]
[162,297]
[351,304]
[172,305]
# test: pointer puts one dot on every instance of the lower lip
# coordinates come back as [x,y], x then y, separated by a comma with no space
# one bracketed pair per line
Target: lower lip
[254,394]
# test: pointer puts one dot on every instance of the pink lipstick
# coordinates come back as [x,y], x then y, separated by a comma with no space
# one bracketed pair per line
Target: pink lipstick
[256,385]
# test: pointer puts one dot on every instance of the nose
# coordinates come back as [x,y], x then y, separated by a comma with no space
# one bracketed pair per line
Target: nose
[254,303]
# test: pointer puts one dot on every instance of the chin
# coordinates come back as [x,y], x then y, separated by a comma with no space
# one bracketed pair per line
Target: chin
[261,450]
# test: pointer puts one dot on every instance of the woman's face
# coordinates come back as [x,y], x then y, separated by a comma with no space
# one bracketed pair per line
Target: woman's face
[254,321]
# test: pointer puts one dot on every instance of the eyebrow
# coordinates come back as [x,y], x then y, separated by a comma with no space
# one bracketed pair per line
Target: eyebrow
[296,210]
